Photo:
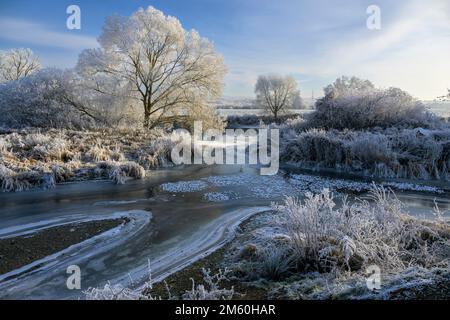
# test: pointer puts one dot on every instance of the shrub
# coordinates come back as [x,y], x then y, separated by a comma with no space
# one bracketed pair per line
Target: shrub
[350,237]
[351,103]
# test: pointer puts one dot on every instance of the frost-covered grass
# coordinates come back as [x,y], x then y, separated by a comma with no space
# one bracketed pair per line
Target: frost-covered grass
[34,158]
[390,153]
[210,289]
[317,249]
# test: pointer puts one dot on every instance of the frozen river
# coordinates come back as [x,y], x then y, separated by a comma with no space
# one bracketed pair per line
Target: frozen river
[176,215]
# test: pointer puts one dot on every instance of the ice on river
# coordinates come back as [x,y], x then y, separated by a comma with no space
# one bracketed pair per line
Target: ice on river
[269,187]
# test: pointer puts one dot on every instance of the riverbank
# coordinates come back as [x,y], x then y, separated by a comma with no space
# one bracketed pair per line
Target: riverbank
[16,252]
[34,158]
[260,266]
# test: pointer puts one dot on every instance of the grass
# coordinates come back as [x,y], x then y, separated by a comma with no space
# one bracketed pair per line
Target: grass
[35,159]
[390,153]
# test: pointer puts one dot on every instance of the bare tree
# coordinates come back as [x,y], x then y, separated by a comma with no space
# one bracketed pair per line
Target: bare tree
[17,63]
[276,93]
[154,61]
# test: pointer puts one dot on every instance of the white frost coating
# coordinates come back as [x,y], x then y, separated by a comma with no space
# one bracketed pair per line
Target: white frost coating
[216,196]
[267,187]
[33,273]
[231,180]
[206,240]
[184,186]
[31,228]
[117,202]
[317,184]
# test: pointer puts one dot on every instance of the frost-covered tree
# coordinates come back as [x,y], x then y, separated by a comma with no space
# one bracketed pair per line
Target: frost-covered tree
[151,59]
[37,100]
[17,63]
[57,98]
[276,93]
[346,86]
[352,103]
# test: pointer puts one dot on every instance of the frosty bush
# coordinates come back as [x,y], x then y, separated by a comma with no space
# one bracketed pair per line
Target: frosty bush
[39,100]
[352,103]
[327,238]
[274,262]
[99,153]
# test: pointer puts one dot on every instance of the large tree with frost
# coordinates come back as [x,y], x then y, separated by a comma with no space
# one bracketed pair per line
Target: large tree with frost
[17,63]
[276,93]
[154,61]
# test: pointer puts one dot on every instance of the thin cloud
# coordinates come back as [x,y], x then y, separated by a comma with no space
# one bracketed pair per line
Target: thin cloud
[30,33]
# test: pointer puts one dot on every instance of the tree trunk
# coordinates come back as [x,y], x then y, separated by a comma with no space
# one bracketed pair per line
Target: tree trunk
[146,120]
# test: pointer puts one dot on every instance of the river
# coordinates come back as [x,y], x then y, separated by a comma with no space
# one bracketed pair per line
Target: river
[165,225]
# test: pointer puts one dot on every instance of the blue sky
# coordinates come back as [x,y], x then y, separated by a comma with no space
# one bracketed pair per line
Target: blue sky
[316,41]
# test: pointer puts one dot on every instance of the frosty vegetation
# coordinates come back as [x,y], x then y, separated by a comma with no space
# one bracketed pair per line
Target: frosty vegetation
[211,289]
[110,116]
[149,70]
[359,128]
[318,249]
[151,59]
[30,158]
[17,63]
[276,94]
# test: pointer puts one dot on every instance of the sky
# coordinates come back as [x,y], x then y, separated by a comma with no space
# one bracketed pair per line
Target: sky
[315,41]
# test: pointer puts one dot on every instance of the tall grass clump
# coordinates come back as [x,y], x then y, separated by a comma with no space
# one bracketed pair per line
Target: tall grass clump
[391,153]
[325,237]
[11,181]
